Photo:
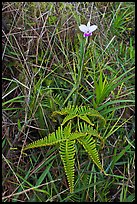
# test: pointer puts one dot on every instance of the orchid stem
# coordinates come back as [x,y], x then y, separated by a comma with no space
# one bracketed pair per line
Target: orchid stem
[83,47]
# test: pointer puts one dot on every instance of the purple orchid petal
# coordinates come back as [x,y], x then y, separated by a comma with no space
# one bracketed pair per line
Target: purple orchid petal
[87,34]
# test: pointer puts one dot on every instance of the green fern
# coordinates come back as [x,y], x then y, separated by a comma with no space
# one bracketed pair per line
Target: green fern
[86,119]
[69,117]
[81,112]
[52,139]
[89,145]
[58,136]
[85,128]
[58,99]
[67,152]
[84,134]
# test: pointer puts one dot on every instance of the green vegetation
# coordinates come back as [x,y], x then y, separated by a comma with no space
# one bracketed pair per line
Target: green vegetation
[71,97]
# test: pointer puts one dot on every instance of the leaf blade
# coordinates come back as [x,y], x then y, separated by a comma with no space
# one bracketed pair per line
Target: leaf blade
[67,152]
[89,145]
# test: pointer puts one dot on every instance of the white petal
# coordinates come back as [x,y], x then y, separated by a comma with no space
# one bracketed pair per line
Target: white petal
[88,24]
[83,28]
[92,28]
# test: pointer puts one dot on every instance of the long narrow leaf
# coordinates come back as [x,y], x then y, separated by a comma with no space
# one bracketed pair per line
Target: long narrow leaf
[89,145]
[67,152]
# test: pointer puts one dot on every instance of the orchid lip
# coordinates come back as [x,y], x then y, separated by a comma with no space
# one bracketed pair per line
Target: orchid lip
[87,34]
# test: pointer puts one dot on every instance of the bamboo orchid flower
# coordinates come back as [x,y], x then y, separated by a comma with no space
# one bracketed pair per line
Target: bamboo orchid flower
[87,29]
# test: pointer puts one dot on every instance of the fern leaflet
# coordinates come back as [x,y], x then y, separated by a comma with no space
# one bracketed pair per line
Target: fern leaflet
[68,117]
[67,152]
[89,145]
[85,118]
[51,139]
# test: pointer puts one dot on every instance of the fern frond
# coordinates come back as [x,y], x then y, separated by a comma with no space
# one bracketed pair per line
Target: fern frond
[85,118]
[68,117]
[88,129]
[58,99]
[89,145]
[85,128]
[67,152]
[67,110]
[64,111]
[51,139]
[73,110]
[81,112]
[58,136]
[67,130]
[76,135]
[84,110]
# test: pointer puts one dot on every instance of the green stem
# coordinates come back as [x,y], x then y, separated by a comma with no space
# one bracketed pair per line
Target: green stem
[83,46]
